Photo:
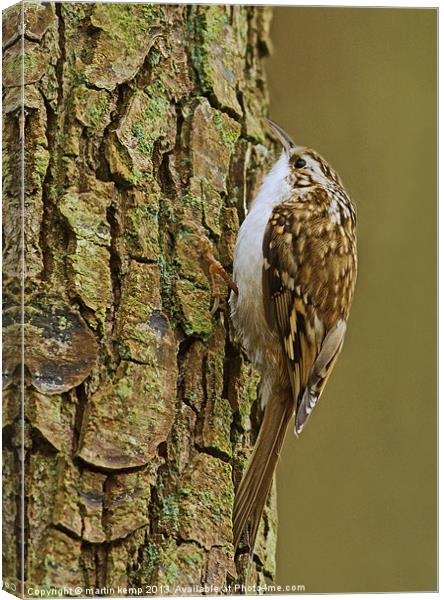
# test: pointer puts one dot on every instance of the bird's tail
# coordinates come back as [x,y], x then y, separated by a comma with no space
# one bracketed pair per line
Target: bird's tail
[257,480]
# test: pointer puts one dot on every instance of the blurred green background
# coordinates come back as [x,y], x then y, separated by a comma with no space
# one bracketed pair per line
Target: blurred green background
[357,492]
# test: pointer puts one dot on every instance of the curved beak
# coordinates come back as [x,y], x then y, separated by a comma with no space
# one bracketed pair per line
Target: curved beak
[284,138]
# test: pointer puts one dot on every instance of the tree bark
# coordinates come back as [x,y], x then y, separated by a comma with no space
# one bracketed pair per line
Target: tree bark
[143,140]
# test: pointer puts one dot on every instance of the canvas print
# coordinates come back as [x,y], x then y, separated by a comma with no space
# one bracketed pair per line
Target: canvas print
[219,256]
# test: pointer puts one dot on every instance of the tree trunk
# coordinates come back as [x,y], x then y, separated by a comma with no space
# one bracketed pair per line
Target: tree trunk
[143,140]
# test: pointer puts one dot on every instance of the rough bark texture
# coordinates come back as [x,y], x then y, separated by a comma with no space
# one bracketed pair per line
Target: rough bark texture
[143,137]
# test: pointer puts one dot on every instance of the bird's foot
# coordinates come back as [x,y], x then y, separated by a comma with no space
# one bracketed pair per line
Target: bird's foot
[213,268]
[216,272]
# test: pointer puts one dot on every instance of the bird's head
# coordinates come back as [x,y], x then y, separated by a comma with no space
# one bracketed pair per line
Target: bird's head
[306,167]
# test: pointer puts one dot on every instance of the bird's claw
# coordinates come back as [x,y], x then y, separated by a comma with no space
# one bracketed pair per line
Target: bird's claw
[215,269]
[216,301]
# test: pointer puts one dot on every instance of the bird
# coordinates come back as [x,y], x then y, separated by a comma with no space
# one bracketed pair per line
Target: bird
[294,274]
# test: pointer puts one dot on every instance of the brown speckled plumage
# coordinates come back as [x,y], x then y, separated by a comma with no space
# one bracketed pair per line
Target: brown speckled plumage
[295,267]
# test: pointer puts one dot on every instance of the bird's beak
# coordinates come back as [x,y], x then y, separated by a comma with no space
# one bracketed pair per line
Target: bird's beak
[285,139]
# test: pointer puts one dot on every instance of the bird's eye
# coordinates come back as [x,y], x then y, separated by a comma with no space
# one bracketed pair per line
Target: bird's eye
[300,163]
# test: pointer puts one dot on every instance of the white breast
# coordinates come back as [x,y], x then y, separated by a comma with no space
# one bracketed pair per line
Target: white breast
[247,308]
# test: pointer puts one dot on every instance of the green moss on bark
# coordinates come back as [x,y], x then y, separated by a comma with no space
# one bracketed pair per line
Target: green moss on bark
[140,123]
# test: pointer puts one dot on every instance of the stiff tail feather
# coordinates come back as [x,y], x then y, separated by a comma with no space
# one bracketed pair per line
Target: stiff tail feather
[257,480]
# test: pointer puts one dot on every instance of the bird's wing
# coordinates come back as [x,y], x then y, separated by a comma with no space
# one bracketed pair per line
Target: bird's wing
[321,371]
[297,276]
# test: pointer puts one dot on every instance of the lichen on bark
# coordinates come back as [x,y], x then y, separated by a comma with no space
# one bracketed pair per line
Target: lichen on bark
[143,135]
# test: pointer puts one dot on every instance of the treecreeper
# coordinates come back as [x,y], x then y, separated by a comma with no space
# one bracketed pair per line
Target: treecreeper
[295,266]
